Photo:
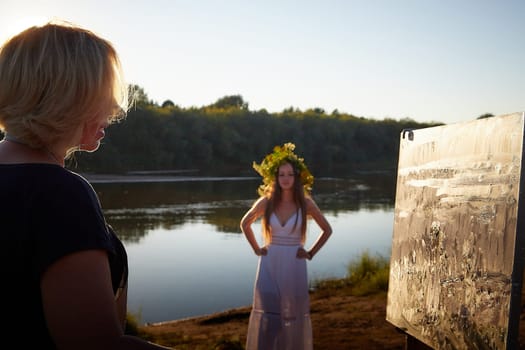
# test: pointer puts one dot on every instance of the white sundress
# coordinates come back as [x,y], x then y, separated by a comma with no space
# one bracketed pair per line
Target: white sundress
[280,317]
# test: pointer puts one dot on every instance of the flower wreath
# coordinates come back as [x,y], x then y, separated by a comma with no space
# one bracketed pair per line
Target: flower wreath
[271,163]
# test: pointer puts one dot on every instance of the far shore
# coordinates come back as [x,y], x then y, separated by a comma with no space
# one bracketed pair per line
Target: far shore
[155,177]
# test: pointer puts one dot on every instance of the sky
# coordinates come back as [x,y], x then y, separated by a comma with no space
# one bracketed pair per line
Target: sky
[444,61]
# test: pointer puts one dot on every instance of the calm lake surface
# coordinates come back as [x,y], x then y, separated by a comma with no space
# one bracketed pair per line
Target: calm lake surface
[188,257]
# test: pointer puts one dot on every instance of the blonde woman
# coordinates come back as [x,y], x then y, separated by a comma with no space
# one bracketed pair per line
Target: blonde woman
[64,270]
[280,317]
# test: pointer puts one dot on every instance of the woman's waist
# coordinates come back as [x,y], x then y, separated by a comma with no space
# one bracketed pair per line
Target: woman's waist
[283,240]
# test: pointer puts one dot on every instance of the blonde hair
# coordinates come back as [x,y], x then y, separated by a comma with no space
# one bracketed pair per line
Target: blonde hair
[56,77]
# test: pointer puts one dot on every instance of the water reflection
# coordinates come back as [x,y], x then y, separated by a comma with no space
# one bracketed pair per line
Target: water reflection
[133,209]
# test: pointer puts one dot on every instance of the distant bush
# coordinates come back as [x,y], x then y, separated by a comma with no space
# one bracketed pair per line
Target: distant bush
[367,274]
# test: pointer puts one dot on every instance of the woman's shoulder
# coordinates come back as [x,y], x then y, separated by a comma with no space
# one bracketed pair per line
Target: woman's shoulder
[310,204]
[260,205]
[63,178]
[58,182]
[43,174]
[261,202]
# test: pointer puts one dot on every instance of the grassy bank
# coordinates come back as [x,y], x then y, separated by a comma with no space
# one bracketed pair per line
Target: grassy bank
[366,275]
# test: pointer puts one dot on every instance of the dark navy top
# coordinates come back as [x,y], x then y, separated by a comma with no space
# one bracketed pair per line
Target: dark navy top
[46,213]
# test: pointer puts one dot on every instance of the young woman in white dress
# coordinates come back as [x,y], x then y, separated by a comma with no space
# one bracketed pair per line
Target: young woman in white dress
[280,317]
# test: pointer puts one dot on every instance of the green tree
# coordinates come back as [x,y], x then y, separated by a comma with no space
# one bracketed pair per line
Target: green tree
[139,97]
[167,104]
[225,138]
[232,101]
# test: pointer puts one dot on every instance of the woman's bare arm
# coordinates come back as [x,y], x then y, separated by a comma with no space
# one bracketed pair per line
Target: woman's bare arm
[326,230]
[255,212]
[80,308]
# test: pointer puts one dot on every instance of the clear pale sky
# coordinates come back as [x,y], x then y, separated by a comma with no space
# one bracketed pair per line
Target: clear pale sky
[428,60]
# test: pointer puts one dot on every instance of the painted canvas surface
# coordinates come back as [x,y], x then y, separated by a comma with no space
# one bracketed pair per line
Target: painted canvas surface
[457,255]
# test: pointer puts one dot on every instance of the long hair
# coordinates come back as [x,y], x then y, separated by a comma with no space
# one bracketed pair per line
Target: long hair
[274,198]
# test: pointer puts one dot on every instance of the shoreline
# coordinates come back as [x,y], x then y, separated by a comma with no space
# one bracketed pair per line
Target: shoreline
[213,315]
[144,178]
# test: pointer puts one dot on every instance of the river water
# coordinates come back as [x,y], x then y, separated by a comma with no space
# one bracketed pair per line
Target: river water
[188,257]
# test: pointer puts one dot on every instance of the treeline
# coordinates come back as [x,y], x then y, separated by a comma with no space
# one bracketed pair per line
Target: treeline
[224,138]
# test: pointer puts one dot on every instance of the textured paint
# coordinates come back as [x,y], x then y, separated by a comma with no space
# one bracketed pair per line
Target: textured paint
[455,229]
